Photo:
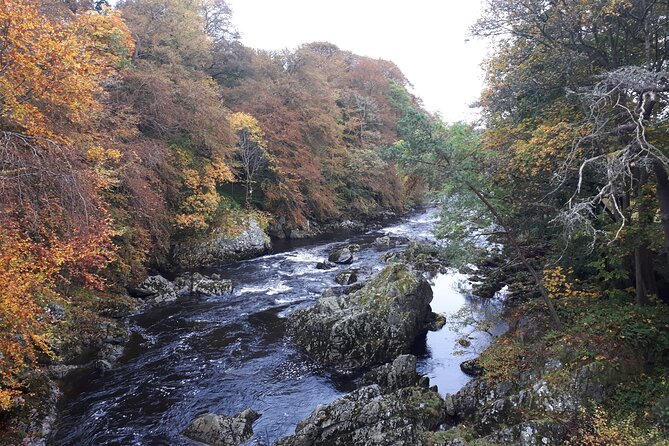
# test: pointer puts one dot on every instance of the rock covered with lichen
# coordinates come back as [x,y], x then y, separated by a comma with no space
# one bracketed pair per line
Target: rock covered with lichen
[221,247]
[221,430]
[392,410]
[369,326]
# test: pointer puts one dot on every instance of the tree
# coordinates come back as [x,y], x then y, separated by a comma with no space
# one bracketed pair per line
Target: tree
[603,59]
[251,150]
[453,160]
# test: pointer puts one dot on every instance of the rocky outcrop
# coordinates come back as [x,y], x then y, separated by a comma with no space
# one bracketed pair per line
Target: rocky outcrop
[201,285]
[395,375]
[159,289]
[392,410]
[369,326]
[531,409]
[220,248]
[422,256]
[219,430]
[282,230]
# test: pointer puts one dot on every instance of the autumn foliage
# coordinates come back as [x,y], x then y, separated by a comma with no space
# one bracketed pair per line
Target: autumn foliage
[123,130]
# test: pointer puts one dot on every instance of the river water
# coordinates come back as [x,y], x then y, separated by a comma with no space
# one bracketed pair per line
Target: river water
[225,354]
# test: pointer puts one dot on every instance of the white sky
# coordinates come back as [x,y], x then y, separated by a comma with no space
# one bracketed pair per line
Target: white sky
[425,38]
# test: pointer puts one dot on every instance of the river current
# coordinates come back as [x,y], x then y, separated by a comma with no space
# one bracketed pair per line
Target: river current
[227,353]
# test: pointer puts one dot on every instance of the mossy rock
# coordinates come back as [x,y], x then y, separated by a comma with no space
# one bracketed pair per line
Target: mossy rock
[369,326]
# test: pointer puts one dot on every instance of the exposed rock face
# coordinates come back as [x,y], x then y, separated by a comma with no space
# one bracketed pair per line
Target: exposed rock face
[281,229]
[392,411]
[219,430]
[158,288]
[346,277]
[396,375]
[527,411]
[369,326]
[342,256]
[219,248]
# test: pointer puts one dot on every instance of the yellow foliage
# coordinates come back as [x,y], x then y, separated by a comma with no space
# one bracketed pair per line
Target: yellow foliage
[598,429]
[51,70]
[244,122]
[557,284]
[28,276]
[203,200]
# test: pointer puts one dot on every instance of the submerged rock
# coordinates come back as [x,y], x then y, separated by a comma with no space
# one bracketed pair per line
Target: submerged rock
[342,256]
[369,326]
[219,430]
[346,277]
[391,411]
[325,265]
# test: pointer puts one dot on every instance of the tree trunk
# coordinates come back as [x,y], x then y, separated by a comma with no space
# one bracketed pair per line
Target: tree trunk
[663,200]
[644,275]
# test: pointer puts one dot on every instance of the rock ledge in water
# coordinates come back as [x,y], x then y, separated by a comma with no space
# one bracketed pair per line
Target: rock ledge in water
[219,430]
[160,289]
[392,411]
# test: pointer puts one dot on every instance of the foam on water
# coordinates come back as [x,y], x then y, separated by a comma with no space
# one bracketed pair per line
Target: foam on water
[279,288]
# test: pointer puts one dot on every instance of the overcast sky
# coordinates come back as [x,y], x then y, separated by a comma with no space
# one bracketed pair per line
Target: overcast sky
[427,39]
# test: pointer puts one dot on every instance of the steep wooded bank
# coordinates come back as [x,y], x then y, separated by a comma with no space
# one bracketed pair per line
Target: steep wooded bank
[570,174]
[129,135]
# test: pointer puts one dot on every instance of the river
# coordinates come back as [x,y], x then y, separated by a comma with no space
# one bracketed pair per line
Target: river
[224,354]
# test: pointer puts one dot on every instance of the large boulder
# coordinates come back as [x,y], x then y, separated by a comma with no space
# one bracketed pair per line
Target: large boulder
[219,430]
[369,326]
[391,411]
[221,248]
[342,256]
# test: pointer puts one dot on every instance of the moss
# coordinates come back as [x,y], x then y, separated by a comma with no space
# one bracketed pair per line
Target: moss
[459,432]
[425,403]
